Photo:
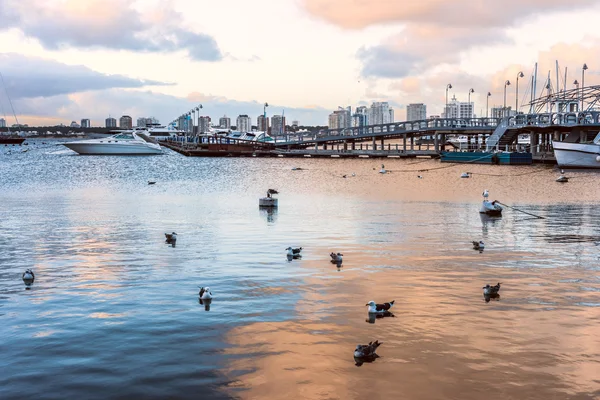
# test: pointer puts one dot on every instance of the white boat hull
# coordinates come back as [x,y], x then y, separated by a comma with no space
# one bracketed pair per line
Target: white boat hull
[113,149]
[577,155]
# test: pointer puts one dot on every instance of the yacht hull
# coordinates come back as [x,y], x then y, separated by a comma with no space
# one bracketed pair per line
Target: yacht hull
[129,149]
[577,155]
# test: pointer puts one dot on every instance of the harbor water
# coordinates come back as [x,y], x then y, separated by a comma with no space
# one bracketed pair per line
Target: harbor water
[114,311]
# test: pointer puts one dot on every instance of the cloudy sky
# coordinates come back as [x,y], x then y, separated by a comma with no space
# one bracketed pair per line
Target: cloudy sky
[64,60]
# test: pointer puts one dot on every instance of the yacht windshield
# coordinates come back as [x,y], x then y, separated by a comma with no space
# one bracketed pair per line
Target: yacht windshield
[124,136]
[597,138]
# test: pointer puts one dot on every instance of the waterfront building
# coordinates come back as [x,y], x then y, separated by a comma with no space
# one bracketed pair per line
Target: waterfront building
[295,124]
[74,125]
[360,117]
[277,125]
[341,118]
[243,123]
[225,122]
[204,124]
[85,123]
[144,122]
[110,122]
[499,112]
[416,112]
[458,109]
[262,123]
[2,123]
[380,113]
[125,122]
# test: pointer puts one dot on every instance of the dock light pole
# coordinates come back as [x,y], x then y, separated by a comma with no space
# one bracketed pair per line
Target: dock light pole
[448,86]
[487,104]
[583,83]
[471,91]
[265,122]
[576,83]
[519,75]
[507,83]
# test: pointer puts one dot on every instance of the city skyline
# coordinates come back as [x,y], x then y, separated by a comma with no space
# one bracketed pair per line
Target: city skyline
[64,60]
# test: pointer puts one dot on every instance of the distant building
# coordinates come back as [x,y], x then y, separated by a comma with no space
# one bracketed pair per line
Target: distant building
[110,122]
[458,109]
[244,123]
[143,122]
[360,117]
[295,124]
[225,122]
[125,122]
[416,112]
[85,123]
[341,118]
[434,117]
[204,124]
[380,113]
[74,124]
[277,125]
[262,123]
[499,112]
[2,123]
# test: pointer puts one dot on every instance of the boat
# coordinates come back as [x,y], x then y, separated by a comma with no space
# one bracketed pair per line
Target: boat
[124,143]
[577,155]
[9,139]
[159,132]
[491,208]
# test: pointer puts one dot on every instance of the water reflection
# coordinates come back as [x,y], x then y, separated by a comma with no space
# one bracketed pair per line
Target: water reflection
[270,213]
[492,296]
[373,317]
[205,302]
[359,361]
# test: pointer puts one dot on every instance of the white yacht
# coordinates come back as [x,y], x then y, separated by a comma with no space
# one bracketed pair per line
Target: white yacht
[578,155]
[159,132]
[123,143]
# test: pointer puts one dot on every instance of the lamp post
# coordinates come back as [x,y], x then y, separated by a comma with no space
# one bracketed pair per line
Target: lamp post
[507,83]
[448,86]
[469,101]
[265,122]
[576,83]
[519,75]
[583,83]
[487,104]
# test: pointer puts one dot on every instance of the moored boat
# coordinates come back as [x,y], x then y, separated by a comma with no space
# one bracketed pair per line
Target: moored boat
[577,155]
[124,143]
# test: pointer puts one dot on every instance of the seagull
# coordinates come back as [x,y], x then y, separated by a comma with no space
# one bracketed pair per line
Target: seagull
[151,182]
[343,176]
[379,308]
[171,238]
[205,293]
[336,258]
[419,176]
[382,170]
[465,175]
[491,290]
[271,191]
[296,169]
[28,277]
[367,350]
[485,194]
[294,253]
[478,245]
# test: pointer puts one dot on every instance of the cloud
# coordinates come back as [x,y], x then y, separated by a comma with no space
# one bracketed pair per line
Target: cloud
[37,77]
[462,13]
[108,24]
[98,105]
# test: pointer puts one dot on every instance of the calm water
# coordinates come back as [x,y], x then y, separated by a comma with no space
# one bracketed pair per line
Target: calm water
[114,311]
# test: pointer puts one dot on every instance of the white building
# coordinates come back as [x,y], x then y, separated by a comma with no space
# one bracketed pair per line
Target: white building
[110,122]
[262,123]
[225,122]
[243,123]
[458,109]
[277,125]
[204,124]
[499,112]
[380,113]
[2,123]
[74,125]
[416,112]
[341,118]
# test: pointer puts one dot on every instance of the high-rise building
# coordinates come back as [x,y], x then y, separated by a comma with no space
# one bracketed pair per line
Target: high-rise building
[85,123]
[360,117]
[277,125]
[262,123]
[295,124]
[416,112]
[110,122]
[499,112]
[225,122]
[125,122]
[144,122]
[341,118]
[2,123]
[458,109]
[380,113]
[203,124]
[243,123]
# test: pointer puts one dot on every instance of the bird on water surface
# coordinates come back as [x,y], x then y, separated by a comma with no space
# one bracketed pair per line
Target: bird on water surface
[379,308]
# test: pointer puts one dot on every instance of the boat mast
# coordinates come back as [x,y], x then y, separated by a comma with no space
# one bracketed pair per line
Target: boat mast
[9,100]
[557,88]
[533,87]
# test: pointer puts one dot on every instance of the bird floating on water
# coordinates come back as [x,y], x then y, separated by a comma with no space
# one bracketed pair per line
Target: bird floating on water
[205,293]
[491,290]
[465,175]
[28,277]
[478,245]
[296,169]
[294,253]
[420,176]
[366,351]
[171,238]
[336,258]
[151,182]
[382,170]
[379,308]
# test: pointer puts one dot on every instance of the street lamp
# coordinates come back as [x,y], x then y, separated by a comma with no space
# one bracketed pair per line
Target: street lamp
[576,90]
[583,83]
[519,75]
[265,122]
[448,86]
[507,83]
[469,101]
[487,104]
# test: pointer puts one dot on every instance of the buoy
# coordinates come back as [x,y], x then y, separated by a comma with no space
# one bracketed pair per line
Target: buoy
[269,201]
[562,179]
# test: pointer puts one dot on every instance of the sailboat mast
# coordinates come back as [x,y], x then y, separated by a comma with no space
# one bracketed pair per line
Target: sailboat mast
[533,87]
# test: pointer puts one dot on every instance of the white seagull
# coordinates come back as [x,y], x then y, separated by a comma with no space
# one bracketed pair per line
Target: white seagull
[485,194]
[28,277]
[379,308]
[478,245]
[205,293]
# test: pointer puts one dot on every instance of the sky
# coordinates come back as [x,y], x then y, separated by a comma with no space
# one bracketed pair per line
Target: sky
[64,60]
